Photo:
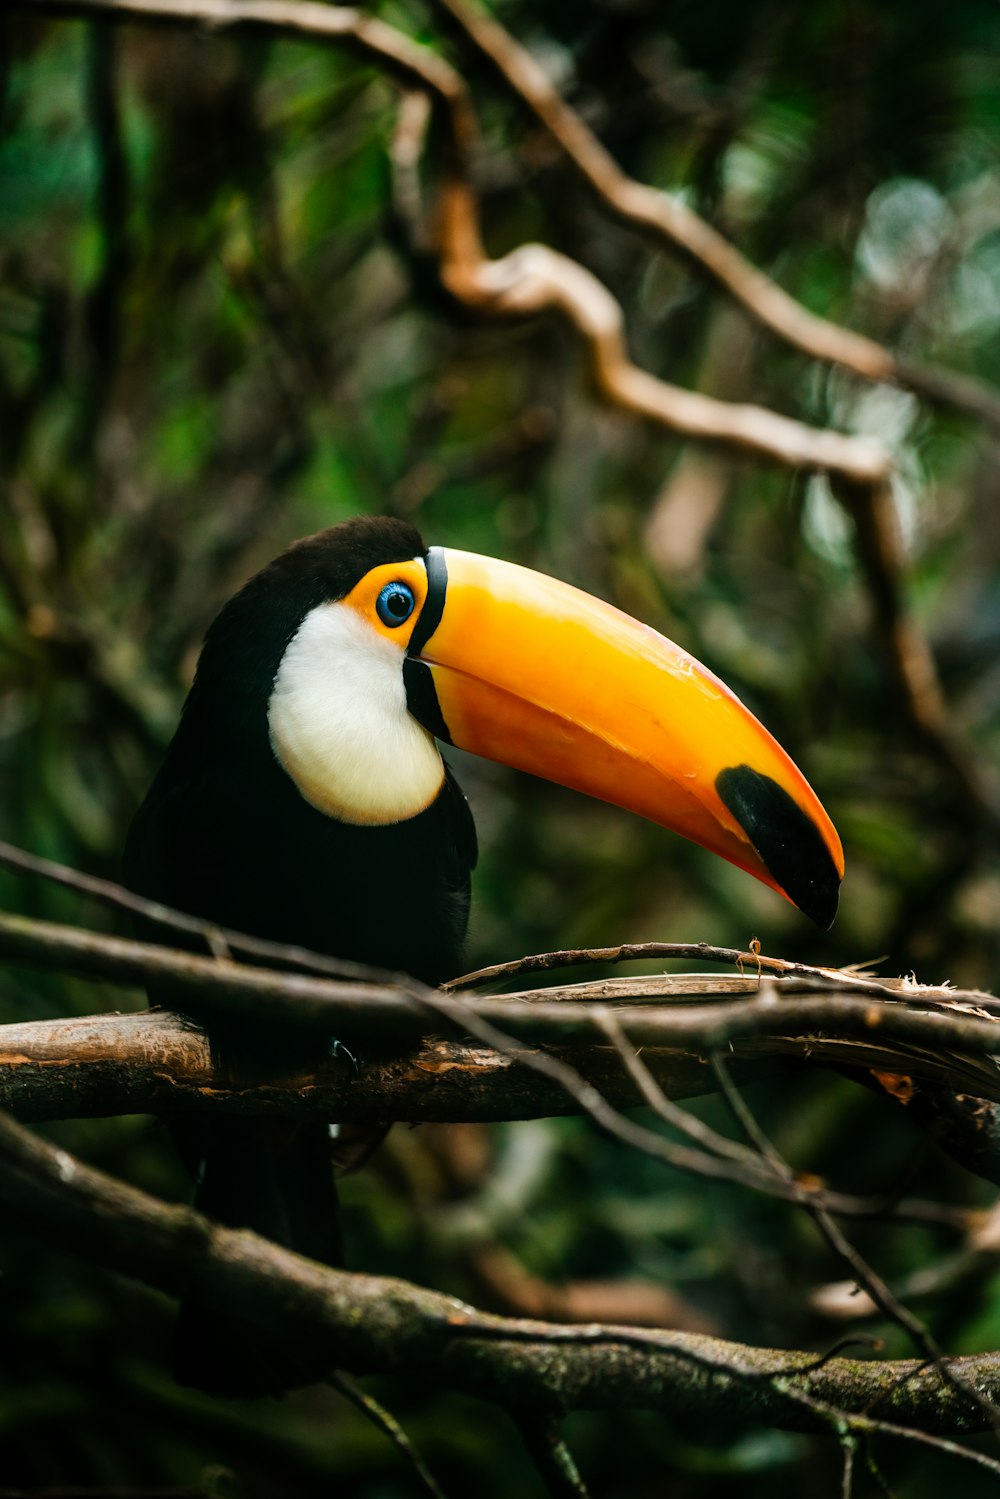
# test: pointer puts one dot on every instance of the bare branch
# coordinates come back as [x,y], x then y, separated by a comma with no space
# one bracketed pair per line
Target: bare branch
[673,223]
[155,1062]
[632,952]
[370,1324]
[947,1029]
[551,1456]
[533,278]
[221,942]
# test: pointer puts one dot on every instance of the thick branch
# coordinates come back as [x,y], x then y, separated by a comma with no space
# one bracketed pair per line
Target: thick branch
[154,1062]
[911,1014]
[373,1324]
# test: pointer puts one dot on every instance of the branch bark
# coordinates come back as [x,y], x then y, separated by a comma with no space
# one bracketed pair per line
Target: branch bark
[155,1062]
[854,1008]
[373,1324]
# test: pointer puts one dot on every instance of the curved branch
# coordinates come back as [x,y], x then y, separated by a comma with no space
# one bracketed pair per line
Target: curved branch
[373,1324]
[673,223]
[533,278]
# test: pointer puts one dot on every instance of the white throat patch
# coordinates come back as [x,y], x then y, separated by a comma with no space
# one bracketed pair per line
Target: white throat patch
[340,727]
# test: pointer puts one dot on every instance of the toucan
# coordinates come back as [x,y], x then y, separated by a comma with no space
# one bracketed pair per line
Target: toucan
[304,798]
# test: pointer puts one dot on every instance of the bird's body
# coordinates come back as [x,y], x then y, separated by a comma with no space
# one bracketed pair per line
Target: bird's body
[226,834]
[304,799]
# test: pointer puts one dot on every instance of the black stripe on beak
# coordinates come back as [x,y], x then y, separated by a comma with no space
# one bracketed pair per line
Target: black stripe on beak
[430,614]
[421,694]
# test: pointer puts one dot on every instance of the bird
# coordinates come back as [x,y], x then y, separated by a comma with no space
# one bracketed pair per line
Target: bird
[304,798]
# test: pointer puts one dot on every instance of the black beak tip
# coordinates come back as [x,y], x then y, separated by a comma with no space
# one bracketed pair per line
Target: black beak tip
[787,840]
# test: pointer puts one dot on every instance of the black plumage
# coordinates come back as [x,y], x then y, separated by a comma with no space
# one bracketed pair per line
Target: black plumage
[224,833]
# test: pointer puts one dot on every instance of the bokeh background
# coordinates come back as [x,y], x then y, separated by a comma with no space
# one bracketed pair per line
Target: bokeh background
[211,343]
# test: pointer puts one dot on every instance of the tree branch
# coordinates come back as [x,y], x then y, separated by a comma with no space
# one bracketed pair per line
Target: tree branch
[374,1324]
[533,278]
[673,223]
[853,1008]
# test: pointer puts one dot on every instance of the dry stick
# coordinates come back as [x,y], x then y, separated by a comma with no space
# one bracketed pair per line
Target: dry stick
[550,1455]
[840,1421]
[670,1112]
[673,223]
[848,1446]
[631,952]
[376,1324]
[534,279]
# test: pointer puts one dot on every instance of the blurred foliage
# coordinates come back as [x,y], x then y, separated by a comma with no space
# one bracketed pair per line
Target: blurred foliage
[209,345]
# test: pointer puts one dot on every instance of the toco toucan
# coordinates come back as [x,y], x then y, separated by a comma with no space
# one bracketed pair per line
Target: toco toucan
[304,799]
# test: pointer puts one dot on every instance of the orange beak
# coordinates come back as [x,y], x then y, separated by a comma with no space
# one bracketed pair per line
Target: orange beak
[526,670]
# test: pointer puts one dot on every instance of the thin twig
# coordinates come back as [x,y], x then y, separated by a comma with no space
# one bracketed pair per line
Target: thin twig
[551,1456]
[848,1448]
[866,1276]
[669,1111]
[632,952]
[386,1422]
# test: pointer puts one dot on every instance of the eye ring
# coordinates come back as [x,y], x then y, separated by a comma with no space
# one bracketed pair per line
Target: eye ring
[395,603]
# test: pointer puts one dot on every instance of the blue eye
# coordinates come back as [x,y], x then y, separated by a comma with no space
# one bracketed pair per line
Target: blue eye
[395,604]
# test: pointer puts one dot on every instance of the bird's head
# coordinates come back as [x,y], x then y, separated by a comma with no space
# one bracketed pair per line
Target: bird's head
[361,647]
